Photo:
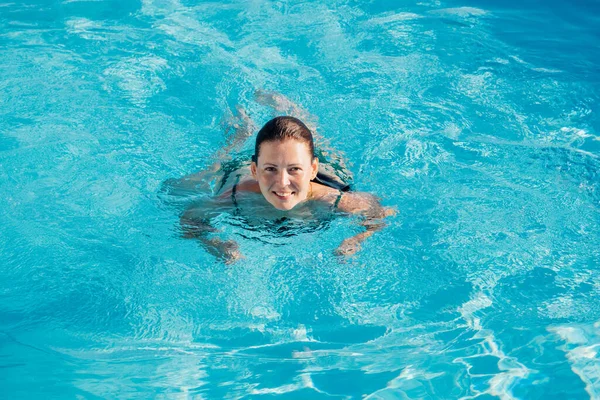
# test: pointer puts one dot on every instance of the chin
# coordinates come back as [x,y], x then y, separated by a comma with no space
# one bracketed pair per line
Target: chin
[284,207]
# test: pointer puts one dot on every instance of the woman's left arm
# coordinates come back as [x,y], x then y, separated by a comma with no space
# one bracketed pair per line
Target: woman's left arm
[373,213]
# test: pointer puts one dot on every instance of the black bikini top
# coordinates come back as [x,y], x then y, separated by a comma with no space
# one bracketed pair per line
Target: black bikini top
[327,180]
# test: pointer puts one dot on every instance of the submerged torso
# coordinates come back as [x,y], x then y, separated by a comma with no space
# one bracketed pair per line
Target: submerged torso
[259,220]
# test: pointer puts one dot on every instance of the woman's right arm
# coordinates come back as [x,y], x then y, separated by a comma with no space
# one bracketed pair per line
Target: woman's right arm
[372,215]
[196,224]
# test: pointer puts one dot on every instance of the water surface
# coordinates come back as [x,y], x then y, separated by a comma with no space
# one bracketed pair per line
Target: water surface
[477,120]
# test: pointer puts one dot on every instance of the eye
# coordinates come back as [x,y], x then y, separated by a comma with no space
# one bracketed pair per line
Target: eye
[295,169]
[269,169]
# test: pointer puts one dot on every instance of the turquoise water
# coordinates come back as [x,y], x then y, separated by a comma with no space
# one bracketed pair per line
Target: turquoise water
[477,120]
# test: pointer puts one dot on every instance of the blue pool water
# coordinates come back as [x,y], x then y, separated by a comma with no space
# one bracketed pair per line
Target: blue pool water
[478,120]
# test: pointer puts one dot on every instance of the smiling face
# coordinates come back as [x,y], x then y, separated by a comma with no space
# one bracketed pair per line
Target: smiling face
[284,170]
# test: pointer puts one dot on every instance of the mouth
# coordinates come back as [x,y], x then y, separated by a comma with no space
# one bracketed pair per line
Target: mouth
[283,195]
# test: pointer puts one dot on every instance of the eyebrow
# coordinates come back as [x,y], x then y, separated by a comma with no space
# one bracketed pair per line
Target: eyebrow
[291,165]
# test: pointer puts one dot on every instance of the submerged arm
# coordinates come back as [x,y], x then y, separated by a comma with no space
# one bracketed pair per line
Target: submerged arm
[373,214]
[238,128]
[195,224]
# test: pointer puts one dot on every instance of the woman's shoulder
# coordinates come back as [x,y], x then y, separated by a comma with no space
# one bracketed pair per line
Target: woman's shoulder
[357,201]
[365,204]
[324,193]
[249,184]
[347,201]
[241,184]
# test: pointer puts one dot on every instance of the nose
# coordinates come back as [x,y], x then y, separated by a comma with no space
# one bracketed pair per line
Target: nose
[283,178]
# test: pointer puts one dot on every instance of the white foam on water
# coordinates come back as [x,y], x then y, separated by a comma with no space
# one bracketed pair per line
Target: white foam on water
[463,12]
[81,1]
[188,29]
[581,347]
[160,7]
[534,68]
[408,380]
[139,77]
[393,18]
[511,370]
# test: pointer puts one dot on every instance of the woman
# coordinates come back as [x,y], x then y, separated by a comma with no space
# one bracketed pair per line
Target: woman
[283,180]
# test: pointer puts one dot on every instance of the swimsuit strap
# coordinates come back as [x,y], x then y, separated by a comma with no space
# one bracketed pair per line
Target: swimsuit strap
[337,201]
[233,192]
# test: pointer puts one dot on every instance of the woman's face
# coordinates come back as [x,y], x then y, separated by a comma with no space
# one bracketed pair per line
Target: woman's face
[284,170]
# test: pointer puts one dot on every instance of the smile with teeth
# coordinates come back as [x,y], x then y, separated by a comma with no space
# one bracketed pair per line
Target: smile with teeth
[283,195]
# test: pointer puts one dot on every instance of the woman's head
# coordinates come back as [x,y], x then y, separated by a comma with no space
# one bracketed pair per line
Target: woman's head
[284,162]
[283,128]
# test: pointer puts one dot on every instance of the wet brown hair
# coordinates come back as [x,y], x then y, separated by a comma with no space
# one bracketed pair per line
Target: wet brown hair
[283,128]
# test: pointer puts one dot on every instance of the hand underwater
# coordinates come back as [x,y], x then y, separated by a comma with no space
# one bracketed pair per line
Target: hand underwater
[352,245]
[227,250]
[348,247]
